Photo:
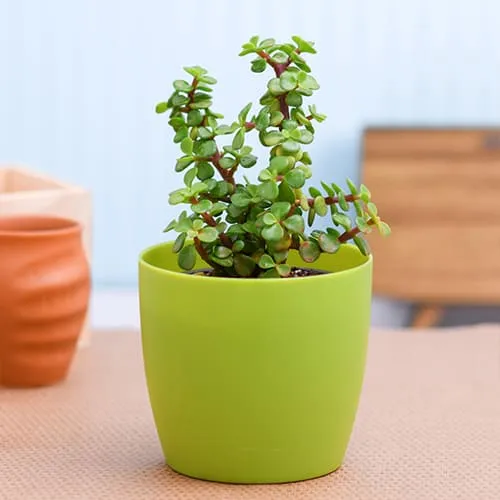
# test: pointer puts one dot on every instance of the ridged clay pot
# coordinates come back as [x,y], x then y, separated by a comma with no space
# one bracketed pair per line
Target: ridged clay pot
[44,296]
[255,380]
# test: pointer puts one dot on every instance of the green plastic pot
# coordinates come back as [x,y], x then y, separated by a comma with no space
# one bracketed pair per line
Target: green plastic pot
[255,381]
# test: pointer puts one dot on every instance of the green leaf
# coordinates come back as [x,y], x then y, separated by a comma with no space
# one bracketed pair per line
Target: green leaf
[288,81]
[258,65]
[295,178]
[306,81]
[187,258]
[290,125]
[241,200]
[195,71]
[295,224]
[320,206]
[362,244]
[238,246]
[372,209]
[279,163]
[161,107]
[208,79]
[225,130]
[194,118]
[314,192]
[269,219]
[227,162]
[179,243]
[244,265]
[286,193]
[197,225]
[358,205]
[290,146]
[384,228]
[310,217]
[205,171]
[280,57]
[190,176]
[227,262]
[276,118]
[179,100]
[183,163]
[328,243]
[205,148]
[242,116]
[273,233]
[221,189]
[280,209]
[364,193]
[177,196]
[274,87]
[268,190]
[254,40]
[236,229]
[248,161]
[170,226]
[306,137]
[266,175]
[309,251]
[217,208]
[342,220]
[184,224]
[342,201]
[283,270]
[267,43]
[262,121]
[294,99]
[272,138]
[328,189]
[204,104]
[181,134]
[222,252]
[266,262]
[202,206]
[197,188]
[239,139]
[352,187]
[270,273]
[208,234]
[187,146]
[303,45]
[299,62]
[362,224]
[182,86]
[205,133]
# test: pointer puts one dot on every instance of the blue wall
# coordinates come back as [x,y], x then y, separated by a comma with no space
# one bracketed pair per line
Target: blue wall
[80,78]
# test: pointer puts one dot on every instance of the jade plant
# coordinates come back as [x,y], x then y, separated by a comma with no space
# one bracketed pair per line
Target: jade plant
[247,229]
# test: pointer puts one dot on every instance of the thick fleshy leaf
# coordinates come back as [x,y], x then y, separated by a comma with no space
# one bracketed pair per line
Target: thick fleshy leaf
[274,87]
[303,45]
[272,138]
[352,187]
[205,148]
[238,246]
[205,171]
[280,209]
[183,163]
[266,175]
[194,118]
[206,103]
[161,107]
[187,146]
[294,99]
[195,71]
[241,200]
[208,234]
[239,139]
[362,244]
[364,193]
[290,146]
[187,258]
[242,116]
[342,220]
[266,262]
[276,118]
[311,216]
[328,243]
[197,224]
[248,161]
[222,252]
[226,262]
[342,201]
[205,133]
[270,273]
[244,265]
[288,81]
[190,176]
[197,188]
[384,228]
[273,233]
[179,243]
[306,81]
[170,226]
[208,79]
[295,224]
[320,206]
[283,270]
[279,163]
[371,209]
[227,162]
[258,65]
[202,206]
[362,225]
[268,190]
[295,178]
[269,219]
[306,137]
[309,251]
[177,196]
[182,85]
[286,192]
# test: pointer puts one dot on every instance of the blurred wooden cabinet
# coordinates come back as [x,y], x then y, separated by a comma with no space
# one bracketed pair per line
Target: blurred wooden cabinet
[439,189]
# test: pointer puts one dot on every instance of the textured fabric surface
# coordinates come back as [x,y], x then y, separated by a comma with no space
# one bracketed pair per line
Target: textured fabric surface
[428,428]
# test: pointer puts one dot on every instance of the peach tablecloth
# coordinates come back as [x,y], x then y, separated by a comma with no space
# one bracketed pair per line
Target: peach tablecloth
[428,428]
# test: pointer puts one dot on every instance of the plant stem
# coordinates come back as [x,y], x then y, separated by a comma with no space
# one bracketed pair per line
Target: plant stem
[202,252]
[353,232]
[227,175]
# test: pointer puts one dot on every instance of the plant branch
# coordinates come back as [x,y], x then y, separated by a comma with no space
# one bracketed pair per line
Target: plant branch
[348,235]
[227,175]
[203,253]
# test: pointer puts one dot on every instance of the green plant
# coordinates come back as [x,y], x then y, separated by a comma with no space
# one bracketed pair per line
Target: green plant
[245,229]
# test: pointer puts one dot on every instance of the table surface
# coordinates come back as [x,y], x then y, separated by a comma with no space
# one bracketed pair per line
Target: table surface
[428,428]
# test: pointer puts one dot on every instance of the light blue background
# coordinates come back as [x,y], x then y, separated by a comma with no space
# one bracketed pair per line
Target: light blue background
[80,78]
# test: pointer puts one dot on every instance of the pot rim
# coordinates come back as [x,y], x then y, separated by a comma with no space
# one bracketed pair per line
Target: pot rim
[180,275]
[37,225]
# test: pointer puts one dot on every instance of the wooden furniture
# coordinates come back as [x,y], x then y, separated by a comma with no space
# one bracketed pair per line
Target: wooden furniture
[439,189]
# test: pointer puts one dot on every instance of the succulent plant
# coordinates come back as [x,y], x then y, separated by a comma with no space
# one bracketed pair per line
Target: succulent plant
[245,229]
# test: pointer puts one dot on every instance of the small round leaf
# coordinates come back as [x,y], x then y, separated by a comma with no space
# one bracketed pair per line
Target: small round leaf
[295,224]
[273,233]
[208,234]
[266,262]
[179,243]
[309,251]
[328,243]
[187,258]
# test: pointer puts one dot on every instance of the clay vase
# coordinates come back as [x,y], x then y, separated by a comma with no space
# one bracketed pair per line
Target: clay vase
[44,296]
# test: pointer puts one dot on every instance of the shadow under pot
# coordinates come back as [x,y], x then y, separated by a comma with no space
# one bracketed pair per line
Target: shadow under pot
[44,298]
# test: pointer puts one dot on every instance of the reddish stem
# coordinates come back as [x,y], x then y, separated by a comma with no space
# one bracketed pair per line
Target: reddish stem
[202,252]
[227,175]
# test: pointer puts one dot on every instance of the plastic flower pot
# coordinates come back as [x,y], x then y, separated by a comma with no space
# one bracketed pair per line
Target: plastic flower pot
[255,380]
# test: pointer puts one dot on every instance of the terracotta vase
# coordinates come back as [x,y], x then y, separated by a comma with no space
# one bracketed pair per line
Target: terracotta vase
[44,296]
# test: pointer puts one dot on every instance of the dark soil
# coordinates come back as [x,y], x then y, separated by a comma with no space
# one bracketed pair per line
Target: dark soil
[297,272]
